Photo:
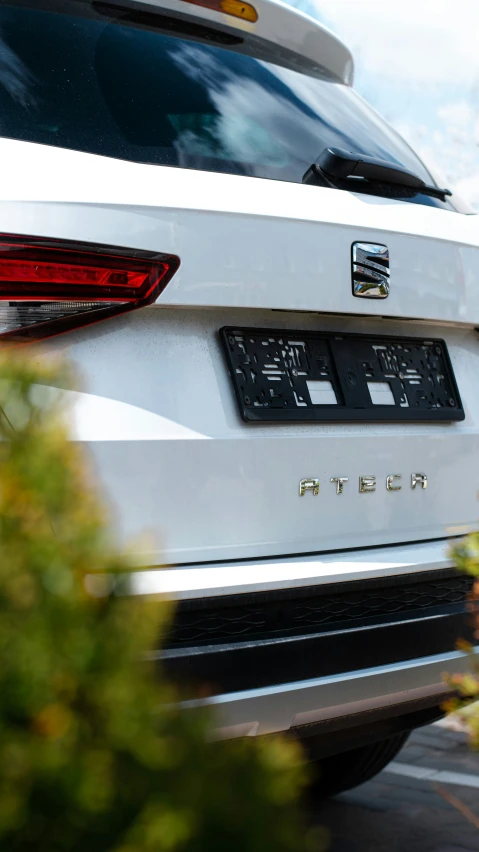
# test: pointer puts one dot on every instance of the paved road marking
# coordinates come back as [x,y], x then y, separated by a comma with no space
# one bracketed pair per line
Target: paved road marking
[440,777]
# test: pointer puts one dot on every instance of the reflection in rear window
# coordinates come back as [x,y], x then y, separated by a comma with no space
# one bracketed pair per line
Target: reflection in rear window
[115,87]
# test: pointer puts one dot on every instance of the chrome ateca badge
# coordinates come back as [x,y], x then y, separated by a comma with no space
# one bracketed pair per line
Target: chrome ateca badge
[367,484]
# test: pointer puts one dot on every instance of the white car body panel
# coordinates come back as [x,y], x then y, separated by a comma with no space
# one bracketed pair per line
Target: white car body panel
[244,243]
[237,484]
[270,269]
[246,577]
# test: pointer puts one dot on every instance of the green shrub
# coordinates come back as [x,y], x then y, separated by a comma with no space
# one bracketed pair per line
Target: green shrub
[94,754]
[466,557]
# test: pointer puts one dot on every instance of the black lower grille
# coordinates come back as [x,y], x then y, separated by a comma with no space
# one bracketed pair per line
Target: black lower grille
[242,642]
[316,609]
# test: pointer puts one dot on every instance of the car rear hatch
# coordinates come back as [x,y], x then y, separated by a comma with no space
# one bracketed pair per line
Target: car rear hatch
[159,410]
[262,256]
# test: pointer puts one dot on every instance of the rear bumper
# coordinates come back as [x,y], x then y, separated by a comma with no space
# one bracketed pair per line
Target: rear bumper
[264,575]
[337,703]
[234,666]
[329,644]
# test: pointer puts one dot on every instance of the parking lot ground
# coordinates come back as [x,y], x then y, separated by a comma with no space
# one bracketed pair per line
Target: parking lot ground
[402,811]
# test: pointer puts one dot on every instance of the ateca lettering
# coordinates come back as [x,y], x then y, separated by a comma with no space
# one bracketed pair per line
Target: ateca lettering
[368,484]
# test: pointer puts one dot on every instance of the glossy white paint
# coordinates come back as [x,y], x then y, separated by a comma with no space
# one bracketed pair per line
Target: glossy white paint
[247,242]
[160,419]
[94,418]
[289,33]
[233,578]
[157,384]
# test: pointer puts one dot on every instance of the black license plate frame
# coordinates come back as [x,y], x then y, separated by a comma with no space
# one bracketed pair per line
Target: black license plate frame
[423,384]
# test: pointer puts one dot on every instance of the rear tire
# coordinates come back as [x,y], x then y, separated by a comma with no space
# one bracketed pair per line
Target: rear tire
[341,772]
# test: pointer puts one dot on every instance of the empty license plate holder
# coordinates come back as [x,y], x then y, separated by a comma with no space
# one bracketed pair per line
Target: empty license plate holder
[281,375]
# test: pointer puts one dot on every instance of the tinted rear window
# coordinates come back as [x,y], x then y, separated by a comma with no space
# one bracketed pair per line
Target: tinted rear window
[132,88]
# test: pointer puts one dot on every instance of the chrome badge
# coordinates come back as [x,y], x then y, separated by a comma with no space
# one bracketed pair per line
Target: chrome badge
[367,484]
[370,268]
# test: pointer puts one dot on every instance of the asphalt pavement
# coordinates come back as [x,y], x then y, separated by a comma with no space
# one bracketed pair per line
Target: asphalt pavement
[427,801]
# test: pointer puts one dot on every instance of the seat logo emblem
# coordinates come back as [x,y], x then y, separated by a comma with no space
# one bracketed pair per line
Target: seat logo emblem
[370,269]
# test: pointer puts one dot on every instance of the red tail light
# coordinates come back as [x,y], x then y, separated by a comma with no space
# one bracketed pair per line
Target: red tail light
[47,286]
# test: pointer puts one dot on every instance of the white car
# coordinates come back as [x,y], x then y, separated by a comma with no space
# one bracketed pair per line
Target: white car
[273,307]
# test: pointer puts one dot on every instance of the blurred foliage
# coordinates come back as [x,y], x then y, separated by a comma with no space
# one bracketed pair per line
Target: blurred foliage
[94,753]
[466,557]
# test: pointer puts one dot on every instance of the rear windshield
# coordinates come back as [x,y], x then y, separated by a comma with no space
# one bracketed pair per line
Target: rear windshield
[150,89]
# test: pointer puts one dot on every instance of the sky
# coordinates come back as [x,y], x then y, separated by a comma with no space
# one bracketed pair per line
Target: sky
[417,63]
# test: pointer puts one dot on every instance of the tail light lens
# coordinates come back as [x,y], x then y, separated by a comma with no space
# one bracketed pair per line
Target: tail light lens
[47,286]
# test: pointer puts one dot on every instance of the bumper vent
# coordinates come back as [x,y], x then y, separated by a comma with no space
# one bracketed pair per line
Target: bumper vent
[310,610]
